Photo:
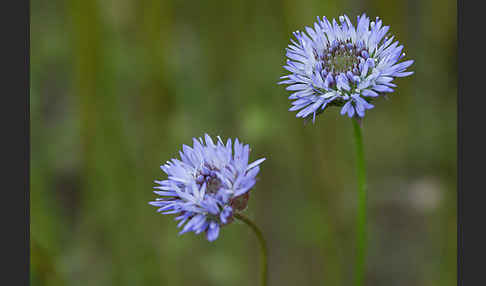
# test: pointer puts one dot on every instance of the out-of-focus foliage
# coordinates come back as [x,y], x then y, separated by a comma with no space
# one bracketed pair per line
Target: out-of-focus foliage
[118,86]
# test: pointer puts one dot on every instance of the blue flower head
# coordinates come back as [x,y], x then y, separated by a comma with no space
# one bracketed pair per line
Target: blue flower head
[338,64]
[207,185]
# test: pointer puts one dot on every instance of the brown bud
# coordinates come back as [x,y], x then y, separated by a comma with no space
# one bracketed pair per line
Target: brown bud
[239,203]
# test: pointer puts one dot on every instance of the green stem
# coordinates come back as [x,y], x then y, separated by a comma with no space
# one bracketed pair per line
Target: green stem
[361,227]
[263,246]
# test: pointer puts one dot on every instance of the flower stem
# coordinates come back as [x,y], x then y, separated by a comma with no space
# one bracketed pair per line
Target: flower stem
[361,227]
[263,246]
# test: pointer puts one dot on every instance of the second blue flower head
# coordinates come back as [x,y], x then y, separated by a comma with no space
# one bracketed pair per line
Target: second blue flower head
[339,64]
[207,185]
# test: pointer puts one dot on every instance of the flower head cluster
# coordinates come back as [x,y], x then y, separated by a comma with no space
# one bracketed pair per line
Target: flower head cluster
[337,64]
[207,185]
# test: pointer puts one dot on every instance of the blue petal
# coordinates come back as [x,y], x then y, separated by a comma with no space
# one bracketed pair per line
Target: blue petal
[213,231]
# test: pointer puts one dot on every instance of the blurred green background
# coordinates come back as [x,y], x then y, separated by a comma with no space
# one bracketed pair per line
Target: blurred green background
[118,86]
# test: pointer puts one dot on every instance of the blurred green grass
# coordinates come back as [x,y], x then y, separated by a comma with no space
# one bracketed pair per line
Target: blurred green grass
[118,86]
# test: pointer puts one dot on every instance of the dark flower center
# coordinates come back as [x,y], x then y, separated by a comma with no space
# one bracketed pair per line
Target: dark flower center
[341,57]
[212,184]
[208,175]
[342,62]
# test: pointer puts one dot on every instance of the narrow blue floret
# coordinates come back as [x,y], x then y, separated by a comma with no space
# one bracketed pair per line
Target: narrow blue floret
[338,64]
[207,185]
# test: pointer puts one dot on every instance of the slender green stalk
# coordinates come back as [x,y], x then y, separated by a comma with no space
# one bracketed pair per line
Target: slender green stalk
[361,227]
[263,246]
